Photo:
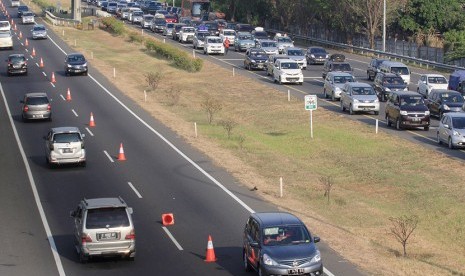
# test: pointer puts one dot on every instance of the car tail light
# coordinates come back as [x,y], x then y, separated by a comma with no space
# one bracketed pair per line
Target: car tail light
[85,238]
[49,107]
[131,235]
[26,108]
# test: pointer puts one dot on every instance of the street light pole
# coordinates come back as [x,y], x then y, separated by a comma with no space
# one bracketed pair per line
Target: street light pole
[384,26]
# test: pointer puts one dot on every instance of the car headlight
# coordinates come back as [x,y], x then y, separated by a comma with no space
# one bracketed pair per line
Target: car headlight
[312,56]
[316,258]
[338,89]
[387,89]
[269,261]
[456,133]
[327,55]
[445,107]
[403,112]
[427,112]
[356,101]
[406,89]
[376,100]
[85,64]
[69,66]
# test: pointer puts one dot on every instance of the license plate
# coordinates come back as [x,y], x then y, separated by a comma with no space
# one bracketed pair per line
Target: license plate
[16,66]
[295,271]
[108,236]
[67,150]
[416,119]
[38,116]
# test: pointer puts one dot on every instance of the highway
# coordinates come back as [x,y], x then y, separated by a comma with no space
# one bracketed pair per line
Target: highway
[162,174]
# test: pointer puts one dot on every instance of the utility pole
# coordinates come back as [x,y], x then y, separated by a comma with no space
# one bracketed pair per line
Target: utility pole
[384,26]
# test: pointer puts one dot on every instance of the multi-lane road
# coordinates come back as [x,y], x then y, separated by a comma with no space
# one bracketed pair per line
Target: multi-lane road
[161,174]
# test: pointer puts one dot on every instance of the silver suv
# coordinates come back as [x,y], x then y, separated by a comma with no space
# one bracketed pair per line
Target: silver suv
[64,145]
[104,227]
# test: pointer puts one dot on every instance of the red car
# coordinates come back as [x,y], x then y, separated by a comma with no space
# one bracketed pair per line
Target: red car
[171,18]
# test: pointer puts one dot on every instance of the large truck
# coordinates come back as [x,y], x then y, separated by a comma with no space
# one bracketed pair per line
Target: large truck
[457,81]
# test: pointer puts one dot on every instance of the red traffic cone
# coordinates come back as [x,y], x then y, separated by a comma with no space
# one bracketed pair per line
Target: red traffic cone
[41,64]
[167,219]
[92,122]
[68,95]
[121,156]
[210,256]
[33,52]
[20,34]
[27,42]
[53,77]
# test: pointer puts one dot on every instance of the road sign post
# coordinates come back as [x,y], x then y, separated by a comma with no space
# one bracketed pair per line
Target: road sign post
[311,103]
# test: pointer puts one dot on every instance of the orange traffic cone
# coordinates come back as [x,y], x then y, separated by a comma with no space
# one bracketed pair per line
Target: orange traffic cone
[68,96]
[14,27]
[92,122]
[27,42]
[33,52]
[41,64]
[20,34]
[210,256]
[121,156]
[167,219]
[53,77]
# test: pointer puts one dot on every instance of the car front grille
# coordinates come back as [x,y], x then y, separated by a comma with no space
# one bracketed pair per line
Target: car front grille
[294,263]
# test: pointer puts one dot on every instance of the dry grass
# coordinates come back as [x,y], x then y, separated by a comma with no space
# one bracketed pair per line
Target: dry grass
[375,176]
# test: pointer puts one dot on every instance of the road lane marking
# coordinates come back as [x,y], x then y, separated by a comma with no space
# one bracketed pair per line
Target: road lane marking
[75,114]
[135,190]
[52,84]
[90,132]
[109,157]
[48,231]
[233,59]
[172,238]
[62,97]
[37,65]
[43,73]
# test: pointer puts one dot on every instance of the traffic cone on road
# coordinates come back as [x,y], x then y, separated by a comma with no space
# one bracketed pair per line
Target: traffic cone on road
[14,27]
[33,52]
[210,256]
[53,77]
[26,43]
[68,95]
[121,156]
[41,64]
[20,34]
[92,122]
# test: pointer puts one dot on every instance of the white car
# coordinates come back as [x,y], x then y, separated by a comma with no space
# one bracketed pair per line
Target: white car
[287,71]
[199,38]
[296,54]
[213,45]
[334,82]
[15,3]
[65,145]
[359,96]
[228,33]
[27,17]
[146,21]
[429,82]
[186,34]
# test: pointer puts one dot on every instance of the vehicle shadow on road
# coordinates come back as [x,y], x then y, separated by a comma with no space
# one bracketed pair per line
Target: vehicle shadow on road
[228,259]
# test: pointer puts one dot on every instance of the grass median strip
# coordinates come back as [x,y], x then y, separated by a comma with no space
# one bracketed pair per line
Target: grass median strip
[259,136]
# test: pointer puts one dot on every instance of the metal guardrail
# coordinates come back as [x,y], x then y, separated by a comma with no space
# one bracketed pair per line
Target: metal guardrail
[427,63]
[60,21]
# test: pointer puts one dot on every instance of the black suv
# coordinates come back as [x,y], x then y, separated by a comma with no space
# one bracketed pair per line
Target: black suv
[255,58]
[16,64]
[373,68]
[280,244]
[406,109]
[441,101]
[385,83]
[336,62]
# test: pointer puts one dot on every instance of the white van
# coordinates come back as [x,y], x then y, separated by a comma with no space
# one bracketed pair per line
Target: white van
[397,68]
[15,3]
[6,37]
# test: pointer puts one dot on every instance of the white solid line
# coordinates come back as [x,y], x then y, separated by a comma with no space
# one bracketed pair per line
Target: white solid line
[37,64]
[75,114]
[52,84]
[62,97]
[134,189]
[231,59]
[43,73]
[26,50]
[109,157]
[172,238]
[22,44]
[90,132]
[48,231]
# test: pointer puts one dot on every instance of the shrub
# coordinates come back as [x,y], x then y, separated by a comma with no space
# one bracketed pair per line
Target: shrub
[179,58]
[135,37]
[114,25]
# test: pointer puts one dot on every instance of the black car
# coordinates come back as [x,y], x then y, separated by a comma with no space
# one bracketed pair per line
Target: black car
[75,63]
[441,101]
[373,67]
[280,244]
[16,64]
[406,109]
[243,28]
[213,27]
[385,83]
[316,55]
[255,58]
[22,9]
[260,35]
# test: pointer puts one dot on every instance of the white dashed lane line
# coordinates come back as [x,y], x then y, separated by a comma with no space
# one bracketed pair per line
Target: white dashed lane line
[135,190]
[43,73]
[172,238]
[88,130]
[74,112]
[63,98]
[109,157]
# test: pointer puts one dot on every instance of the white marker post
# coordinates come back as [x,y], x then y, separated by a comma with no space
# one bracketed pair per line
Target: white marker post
[91,55]
[280,187]
[288,95]
[145,96]
[193,53]
[75,43]
[114,72]
[195,129]
[376,126]
[311,103]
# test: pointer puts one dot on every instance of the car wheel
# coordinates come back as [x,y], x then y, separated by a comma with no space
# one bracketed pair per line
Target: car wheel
[83,258]
[368,76]
[85,73]
[440,114]
[325,94]
[235,49]
[280,82]
[83,164]
[333,97]
[398,124]
[383,97]
[260,271]
[195,47]
[351,110]
[342,106]
[376,112]
[388,122]
[426,128]
[247,266]
[438,139]
[449,143]
[301,83]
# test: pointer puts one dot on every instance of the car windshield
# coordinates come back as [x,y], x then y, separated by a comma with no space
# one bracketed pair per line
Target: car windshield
[400,70]
[379,61]
[214,40]
[295,53]
[285,235]
[15,59]
[66,137]
[4,24]
[411,100]
[212,26]
[268,44]
[229,33]
[341,67]
[458,122]
[318,51]
[169,25]
[363,91]
[343,79]
[28,13]
[451,98]
[393,80]
[202,35]
[284,39]
[76,58]
[106,218]
[36,100]
[189,30]
[39,28]
[438,80]
[5,33]
[245,37]
[290,65]
[260,34]
[23,8]
[137,13]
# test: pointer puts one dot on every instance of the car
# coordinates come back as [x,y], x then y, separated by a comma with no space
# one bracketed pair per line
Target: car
[240,27]
[334,82]
[243,41]
[428,82]
[104,227]
[199,38]
[213,45]
[65,145]
[359,96]
[39,31]
[169,18]
[14,3]
[6,38]
[136,17]
[406,109]
[269,46]
[131,13]
[228,33]
[316,55]
[16,64]
[146,21]
[451,130]
[21,9]
[125,12]
[441,101]
[271,61]
[27,17]
[385,83]
[336,62]
[397,68]
[111,7]
[75,63]
[283,42]
[104,5]
[186,34]
[5,26]
[36,106]
[373,67]
[176,28]
[212,27]
[296,54]
[260,34]
[168,29]
[287,71]
[279,243]
[157,25]
[255,58]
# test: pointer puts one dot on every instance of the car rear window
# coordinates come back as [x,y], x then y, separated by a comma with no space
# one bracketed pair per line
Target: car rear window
[66,137]
[441,80]
[295,53]
[343,79]
[37,100]
[290,65]
[341,67]
[107,218]
[411,100]
[268,44]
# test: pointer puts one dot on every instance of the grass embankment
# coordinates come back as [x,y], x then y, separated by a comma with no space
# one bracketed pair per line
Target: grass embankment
[375,176]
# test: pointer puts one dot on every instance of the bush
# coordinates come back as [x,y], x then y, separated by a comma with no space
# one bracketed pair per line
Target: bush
[135,37]
[114,25]
[180,58]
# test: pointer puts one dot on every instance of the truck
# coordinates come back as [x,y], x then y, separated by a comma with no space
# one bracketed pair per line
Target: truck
[457,81]
[196,9]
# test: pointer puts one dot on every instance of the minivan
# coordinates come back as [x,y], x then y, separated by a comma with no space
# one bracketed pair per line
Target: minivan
[397,68]
[406,109]
[287,71]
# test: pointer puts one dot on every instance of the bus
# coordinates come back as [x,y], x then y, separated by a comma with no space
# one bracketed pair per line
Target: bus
[196,9]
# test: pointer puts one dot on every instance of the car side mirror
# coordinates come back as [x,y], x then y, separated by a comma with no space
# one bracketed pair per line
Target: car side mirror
[72,214]
[447,126]
[130,210]
[254,244]
[316,239]
[396,104]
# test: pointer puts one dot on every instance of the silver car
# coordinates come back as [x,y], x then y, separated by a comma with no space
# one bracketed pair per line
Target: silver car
[168,29]
[451,130]
[359,96]
[36,106]
[65,145]
[146,21]
[283,42]
[39,31]
[298,55]
[334,82]
[104,227]
[269,46]
[199,38]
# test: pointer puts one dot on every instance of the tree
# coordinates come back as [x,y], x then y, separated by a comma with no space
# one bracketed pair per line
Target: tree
[211,106]
[402,229]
